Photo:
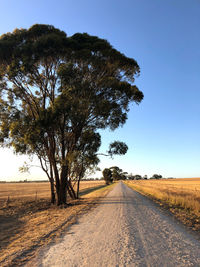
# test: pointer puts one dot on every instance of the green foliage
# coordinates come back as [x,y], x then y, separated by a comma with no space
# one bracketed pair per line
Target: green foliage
[117,148]
[156,176]
[137,177]
[107,175]
[118,174]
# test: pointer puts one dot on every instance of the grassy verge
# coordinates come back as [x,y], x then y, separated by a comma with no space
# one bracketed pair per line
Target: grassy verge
[28,225]
[181,197]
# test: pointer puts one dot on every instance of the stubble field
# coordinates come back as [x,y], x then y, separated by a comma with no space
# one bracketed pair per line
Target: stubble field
[35,190]
[181,196]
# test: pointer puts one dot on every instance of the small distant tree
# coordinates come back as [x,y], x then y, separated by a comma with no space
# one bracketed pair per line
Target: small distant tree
[157,176]
[124,175]
[137,177]
[130,176]
[107,176]
[116,173]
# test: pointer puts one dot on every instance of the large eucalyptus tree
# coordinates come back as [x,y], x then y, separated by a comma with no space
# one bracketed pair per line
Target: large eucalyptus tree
[56,93]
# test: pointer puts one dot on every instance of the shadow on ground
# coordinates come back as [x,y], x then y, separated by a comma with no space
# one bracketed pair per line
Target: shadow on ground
[9,224]
[90,190]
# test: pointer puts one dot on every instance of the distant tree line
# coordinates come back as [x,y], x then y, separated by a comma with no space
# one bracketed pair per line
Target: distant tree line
[145,177]
[115,173]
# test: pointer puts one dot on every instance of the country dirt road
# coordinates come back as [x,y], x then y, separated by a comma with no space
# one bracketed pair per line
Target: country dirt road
[126,229]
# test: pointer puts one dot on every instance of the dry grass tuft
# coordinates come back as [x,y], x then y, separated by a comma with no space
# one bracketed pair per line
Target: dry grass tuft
[181,196]
[27,224]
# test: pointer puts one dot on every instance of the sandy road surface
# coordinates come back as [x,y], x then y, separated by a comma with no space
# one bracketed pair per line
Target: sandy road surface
[126,229]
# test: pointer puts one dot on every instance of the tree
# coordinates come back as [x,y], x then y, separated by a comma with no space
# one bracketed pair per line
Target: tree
[118,174]
[137,177]
[124,175]
[156,176]
[107,175]
[55,91]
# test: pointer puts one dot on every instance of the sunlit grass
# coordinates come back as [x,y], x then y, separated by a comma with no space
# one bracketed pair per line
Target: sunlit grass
[31,191]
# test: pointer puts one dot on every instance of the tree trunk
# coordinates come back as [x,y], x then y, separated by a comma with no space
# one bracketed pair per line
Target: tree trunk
[53,196]
[78,186]
[70,190]
[50,177]
[59,184]
[79,179]
[62,197]
[62,192]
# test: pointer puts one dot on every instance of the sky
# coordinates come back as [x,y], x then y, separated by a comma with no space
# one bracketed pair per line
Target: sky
[163,132]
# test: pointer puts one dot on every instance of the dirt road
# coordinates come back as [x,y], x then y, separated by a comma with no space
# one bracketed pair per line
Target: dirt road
[126,229]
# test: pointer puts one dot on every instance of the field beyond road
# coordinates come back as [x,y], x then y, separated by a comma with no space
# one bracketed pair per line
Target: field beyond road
[181,196]
[28,220]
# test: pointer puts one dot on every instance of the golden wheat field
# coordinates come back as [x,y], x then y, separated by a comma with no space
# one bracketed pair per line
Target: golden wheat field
[37,190]
[181,195]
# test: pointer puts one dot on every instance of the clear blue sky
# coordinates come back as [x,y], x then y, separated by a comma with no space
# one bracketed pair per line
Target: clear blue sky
[163,132]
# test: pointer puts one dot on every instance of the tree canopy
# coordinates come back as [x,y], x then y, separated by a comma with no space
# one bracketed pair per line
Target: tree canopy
[114,174]
[107,175]
[156,176]
[56,92]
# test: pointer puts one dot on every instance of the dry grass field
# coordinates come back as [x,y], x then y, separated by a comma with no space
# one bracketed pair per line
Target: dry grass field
[32,191]
[28,220]
[181,196]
